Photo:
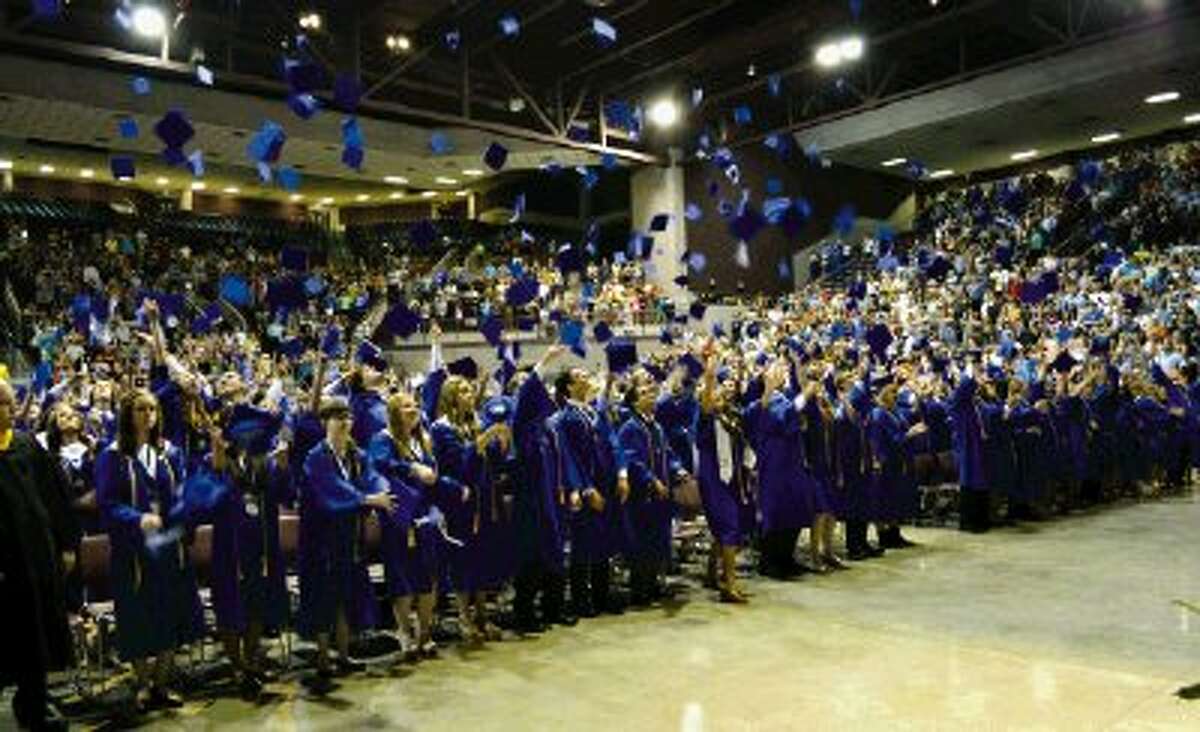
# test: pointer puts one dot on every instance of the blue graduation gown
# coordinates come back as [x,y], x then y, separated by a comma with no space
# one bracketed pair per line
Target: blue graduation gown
[370,416]
[785,487]
[157,604]
[413,547]
[1033,447]
[725,502]
[967,429]
[536,508]
[587,461]
[248,569]
[333,561]
[648,457]
[1071,422]
[678,414]
[820,455]
[999,458]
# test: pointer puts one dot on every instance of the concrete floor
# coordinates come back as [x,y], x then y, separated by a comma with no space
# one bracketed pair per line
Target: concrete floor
[1061,625]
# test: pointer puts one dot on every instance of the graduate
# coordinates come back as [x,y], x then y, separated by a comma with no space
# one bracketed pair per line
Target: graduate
[974,506]
[335,595]
[819,451]
[38,533]
[414,546]
[157,606]
[464,454]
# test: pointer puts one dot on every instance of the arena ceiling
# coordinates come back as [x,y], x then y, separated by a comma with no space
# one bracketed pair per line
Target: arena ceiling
[527,89]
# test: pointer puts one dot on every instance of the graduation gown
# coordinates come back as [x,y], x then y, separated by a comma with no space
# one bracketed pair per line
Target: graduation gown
[678,414]
[587,461]
[648,458]
[413,546]
[999,459]
[36,525]
[724,488]
[1071,425]
[785,487]
[370,416]
[819,453]
[536,508]
[154,586]
[967,428]
[333,561]
[1033,448]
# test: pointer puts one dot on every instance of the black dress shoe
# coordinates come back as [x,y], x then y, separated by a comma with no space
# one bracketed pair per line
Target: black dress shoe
[319,683]
[250,688]
[161,698]
[858,554]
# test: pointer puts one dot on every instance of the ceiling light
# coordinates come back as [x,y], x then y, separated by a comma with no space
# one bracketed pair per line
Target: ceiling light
[1024,155]
[894,162]
[233,190]
[851,49]
[149,21]
[310,21]
[399,43]
[6,165]
[198,185]
[1191,119]
[751,71]
[473,172]
[1106,137]
[296,197]
[1162,97]
[396,180]
[362,197]
[460,194]
[47,169]
[828,55]
[428,194]
[664,112]
[943,173]
[326,201]
[87,173]
[444,181]
[396,196]
[161,181]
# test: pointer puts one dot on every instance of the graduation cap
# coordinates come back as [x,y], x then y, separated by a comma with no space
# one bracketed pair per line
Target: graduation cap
[495,156]
[466,367]
[305,106]
[1063,363]
[843,222]
[174,129]
[140,85]
[621,354]
[1100,345]
[286,292]
[347,92]
[123,167]
[207,319]
[266,144]
[304,76]
[504,372]
[774,209]
[569,259]
[352,144]
[604,32]
[235,289]
[492,329]
[128,128]
[452,39]
[570,333]
[1032,292]
[518,209]
[370,354]
[204,75]
[608,161]
[775,84]
[697,310]
[331,342]
[938,268]
[401,321]
[693,212]
[878,338]
[289,179]
[742,115]
[509,25]
[665,336]
[747,224]
[660,222]
[602,332]
[440,143]
[695,369]
[199,496]
[195,163]
[253,429]
[588,176]
[292,348]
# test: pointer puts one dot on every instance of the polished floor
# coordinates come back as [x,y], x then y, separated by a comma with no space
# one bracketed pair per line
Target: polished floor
[1069,624]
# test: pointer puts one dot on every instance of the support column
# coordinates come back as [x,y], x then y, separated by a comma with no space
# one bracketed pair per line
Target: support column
[6,181]
[187,200]
[659,190]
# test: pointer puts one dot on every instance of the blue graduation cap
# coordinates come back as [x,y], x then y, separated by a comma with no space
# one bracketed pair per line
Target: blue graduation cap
[453,39]
[697,261]
[371,355]
[570,333]
[621,354]
[588,176]
[878,338]
[569,259]
[292,348]
[195,163]
[697,310]
[695,369]
[693,212]
[1100,345]
[305,106]
[253,429]
[266,144]
[286,292]
[608,161]
[128,128]
[604,32]
[207,320]
[204,75]
[289,179]
[492,329]
[400,321]
[742,115]
[783,268]
[466,367]
[1063,363]
[843,222]
[522,292]
[174,129]
[331,342]
[440,143]
[304,76]
[775,84]
[140,85]
[353,144]
[602,332]
[509,25]
[347,92]
[518,209]
[495,156]
[123,167]
[666,337]
[199,496]
[235,290]
[774,209]
[660,222]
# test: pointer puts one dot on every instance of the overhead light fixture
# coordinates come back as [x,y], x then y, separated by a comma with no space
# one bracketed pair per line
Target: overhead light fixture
[851,48]
[943,173]
[296,197]
[751,71]
[836,53]
[46,169]
[149,21]
[87,173]
[1024,155]
[893,162]
[396,196]
[1191,119]
[460,194]
[6,165]
[395,180]
[664,113]
[399,43]
[162,181]
[1162,97]
[1106,137]
[233,190]
[311,21]
[362,197]
[428,194]
[199,185]
[443,180]
[326,201]
[473,172]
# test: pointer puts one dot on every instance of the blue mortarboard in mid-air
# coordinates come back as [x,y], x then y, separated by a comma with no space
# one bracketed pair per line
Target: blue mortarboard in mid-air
[495,156]
[742,115]
[1063,362]
[253,429]
[208,319]
[775,209]
[938,268]
[235,290]
[304,76]
[697,261]
[123,167]
[783,268]
[331,342]
[466,367]
[174,129]
[602,332]
[660,222]
[694,368]
[775,84]
[697,310]
[665,336]
[440,143]
[267,144]
[509,25]
[286,292]
[604,32]
[693,212]
[140,85]
[453,39]
[608,161]
[571,333]
[47,9]
[518,209]
[568,259]
[1032,292]
[347,92]
[128,128]
[492,329]
[774,187]
[371,355]
[1100,345]
[199,496]
[401,321]
[289,179]
[292,348]
[588,176]
[621,354]
[205,75]
[305,106]
[352,144]
[522,291]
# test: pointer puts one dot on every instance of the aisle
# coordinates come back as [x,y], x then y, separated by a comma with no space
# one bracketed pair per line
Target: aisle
[1068,625]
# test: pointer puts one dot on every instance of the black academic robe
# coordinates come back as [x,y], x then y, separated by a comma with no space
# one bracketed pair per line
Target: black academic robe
[36,522]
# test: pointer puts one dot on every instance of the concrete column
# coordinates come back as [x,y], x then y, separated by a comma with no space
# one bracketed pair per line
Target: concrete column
[659,190]
[471,206]
[187,200]
[6,181]
[335,220]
